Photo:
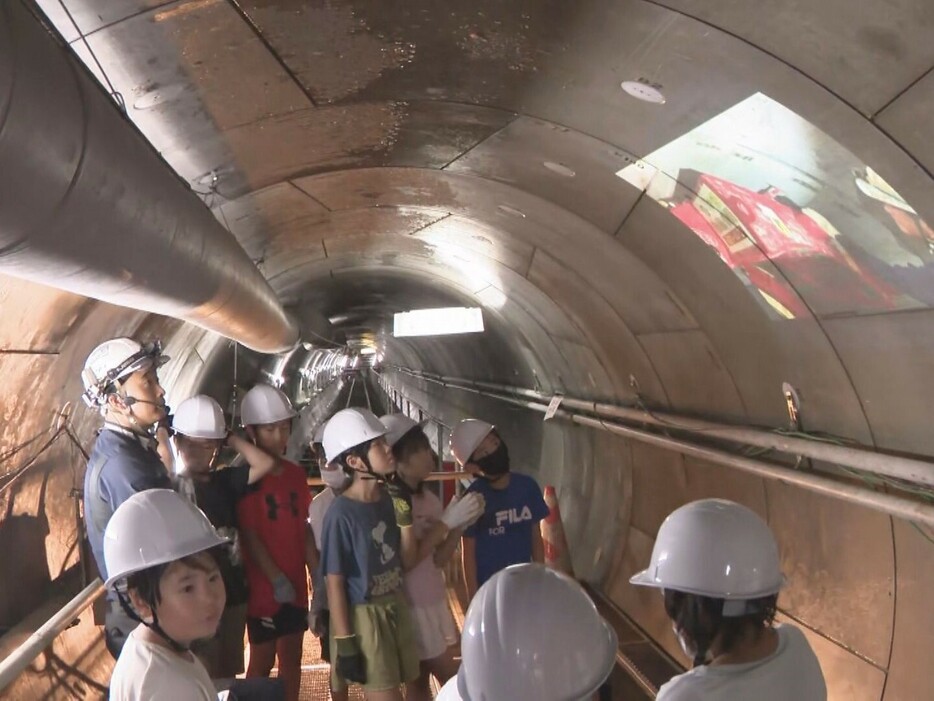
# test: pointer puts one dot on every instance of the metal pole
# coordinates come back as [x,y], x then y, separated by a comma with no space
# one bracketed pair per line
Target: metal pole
[22,657]
[366,393]
[432,477]
[878,501]
[857,458]
[440,447]
[890,504]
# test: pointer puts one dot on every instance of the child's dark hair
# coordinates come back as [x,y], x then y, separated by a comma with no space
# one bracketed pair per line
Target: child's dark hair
[359,451]
[701,619]
[146,582]
[412,442]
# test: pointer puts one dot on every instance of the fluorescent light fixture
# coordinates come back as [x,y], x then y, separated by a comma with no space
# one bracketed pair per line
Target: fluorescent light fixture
[438,322]
[368,350]
[644,90]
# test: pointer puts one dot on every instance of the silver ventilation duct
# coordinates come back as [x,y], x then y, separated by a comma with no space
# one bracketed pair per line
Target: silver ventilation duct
[88,206]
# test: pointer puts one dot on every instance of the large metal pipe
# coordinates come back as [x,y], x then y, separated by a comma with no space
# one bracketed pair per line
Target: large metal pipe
[88,206]
[893,505]
[910,469]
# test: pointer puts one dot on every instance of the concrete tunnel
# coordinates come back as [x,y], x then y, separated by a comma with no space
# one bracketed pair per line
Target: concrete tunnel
[707,226]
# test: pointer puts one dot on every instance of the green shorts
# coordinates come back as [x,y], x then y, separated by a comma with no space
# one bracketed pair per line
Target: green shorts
[384,631]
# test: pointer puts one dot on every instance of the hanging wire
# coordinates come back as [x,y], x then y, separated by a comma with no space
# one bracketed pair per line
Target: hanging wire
[19,448]
[74,439]
[12,478]
[877,481]
[924,534]
[118,97]
[77,494]
[815,436]
[234,398]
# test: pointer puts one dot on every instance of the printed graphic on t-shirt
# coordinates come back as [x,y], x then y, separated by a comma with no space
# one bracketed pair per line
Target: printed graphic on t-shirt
[508,517]
[274,509]
[386,582]
[386,553]
[362,542]
[273,504]
[503,534]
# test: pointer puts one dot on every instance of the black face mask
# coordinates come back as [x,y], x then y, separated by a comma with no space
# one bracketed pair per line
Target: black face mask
[496,464]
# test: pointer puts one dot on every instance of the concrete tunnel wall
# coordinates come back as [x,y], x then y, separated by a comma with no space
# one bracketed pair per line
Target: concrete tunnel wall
[865,618]
[406,188]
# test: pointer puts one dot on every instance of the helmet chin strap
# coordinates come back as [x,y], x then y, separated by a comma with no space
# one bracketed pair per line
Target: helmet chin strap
[154,626]
[368,473]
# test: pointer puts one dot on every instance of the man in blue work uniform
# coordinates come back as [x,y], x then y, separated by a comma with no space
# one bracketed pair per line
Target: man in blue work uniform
[120,379]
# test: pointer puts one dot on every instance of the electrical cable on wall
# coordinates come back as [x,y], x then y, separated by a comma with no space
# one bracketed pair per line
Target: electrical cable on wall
[117,96]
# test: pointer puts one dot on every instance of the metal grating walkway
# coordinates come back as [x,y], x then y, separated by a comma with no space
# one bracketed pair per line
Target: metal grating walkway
[641,667]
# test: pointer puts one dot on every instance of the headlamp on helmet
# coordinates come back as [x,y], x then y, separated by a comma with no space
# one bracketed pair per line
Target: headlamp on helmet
[114,360]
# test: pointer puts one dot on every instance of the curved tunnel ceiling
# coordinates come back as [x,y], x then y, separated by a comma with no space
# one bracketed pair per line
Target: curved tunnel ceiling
[769,223]
[481,148]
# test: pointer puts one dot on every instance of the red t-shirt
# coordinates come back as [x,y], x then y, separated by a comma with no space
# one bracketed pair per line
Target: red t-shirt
[276,509]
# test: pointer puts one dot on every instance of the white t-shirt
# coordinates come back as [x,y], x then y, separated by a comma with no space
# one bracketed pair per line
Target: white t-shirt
[319,507]
[148,672]
[791,673]
[449,691]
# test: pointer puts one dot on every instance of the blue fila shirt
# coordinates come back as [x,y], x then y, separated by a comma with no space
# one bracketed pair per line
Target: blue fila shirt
[503,535]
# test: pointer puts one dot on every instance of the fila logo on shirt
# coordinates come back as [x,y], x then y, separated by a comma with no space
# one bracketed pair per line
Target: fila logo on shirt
[509,517]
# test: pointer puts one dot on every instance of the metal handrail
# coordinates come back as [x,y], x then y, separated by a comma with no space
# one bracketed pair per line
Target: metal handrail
[912,469]
[891,504]
[15,663]
[431,477]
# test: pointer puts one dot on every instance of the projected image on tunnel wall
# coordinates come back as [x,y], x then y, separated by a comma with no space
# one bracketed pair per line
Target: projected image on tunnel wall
[799,219]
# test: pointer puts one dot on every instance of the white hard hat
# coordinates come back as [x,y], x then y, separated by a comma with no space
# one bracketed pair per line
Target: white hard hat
[397,425]
[154,527]
[533,633]
[318,436]
[349,428]
[466,436]
[114,360]
[715,548]
[200,417]
[264,404]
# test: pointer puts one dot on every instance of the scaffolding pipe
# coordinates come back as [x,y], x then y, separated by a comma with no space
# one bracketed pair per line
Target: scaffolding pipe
[432,477]
[904,468]
[890,504]
[15,663]
[87,205]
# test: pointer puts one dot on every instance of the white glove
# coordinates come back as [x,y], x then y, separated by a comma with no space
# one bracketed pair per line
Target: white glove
[464,512]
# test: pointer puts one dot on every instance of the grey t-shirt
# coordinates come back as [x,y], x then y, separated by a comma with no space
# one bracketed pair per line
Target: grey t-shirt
[362,542]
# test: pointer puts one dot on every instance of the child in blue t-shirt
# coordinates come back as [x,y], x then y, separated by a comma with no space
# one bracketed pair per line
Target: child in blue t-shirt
[368,538]
[508,532]
[371,637]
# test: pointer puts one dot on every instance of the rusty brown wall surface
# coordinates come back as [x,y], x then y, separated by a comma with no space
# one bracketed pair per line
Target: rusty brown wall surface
[76,666]
[45,337]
